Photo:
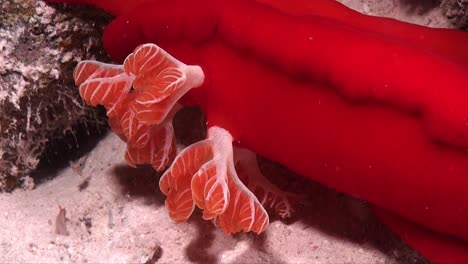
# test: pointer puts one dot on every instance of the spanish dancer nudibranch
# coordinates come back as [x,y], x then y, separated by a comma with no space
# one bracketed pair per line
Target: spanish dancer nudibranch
[372,107]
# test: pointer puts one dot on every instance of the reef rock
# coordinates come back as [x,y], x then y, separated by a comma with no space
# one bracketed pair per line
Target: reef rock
[39,103]
[457,12]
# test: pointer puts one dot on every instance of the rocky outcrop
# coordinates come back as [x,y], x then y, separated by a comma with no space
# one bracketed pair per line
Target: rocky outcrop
[457,12]
[39,103]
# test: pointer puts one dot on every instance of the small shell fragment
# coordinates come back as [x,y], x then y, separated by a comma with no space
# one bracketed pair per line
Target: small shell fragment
[61,222]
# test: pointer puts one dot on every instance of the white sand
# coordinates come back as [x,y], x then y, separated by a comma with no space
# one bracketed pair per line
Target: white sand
[127,222]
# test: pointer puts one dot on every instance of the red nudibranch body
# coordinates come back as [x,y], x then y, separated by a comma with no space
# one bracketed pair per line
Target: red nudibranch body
[296,86]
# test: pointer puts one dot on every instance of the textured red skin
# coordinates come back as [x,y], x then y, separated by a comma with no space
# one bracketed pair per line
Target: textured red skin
[368,66]
[449,43]
[379,152]
[367,150]
[438,248]
[306,50]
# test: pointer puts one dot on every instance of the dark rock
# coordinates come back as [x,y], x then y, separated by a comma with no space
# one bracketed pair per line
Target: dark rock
[457,12]
[39,102]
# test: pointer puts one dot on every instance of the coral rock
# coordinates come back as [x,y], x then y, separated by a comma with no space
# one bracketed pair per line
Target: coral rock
[39,102]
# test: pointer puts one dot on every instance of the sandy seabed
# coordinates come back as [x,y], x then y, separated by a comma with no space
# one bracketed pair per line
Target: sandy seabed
[116,214]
